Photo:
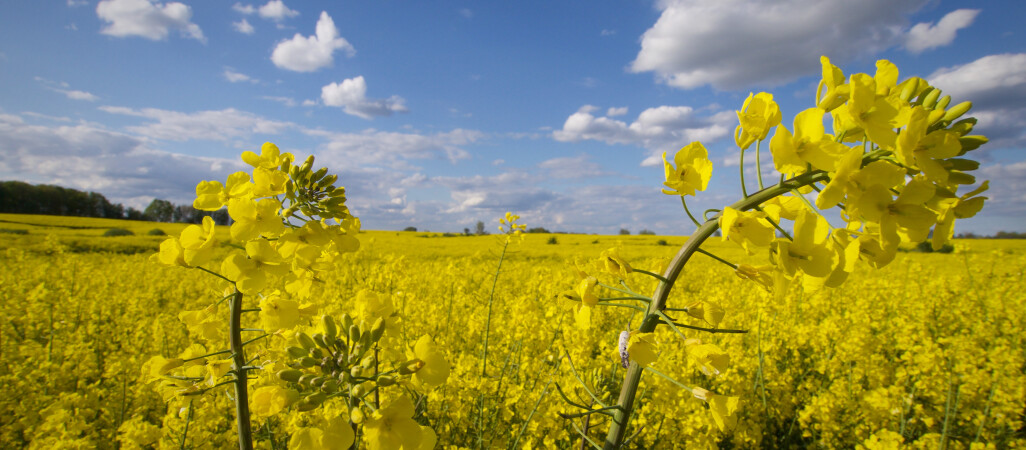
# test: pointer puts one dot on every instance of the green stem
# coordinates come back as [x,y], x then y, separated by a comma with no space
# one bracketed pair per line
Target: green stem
[654,275]
[628,391]
[775,225]
[488,319]
[711,255]
[242,418]
[758,162]
[693,219]
[741,164]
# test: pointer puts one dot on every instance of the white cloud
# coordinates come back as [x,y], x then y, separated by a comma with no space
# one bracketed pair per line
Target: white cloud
[309,102]
[351,95]
[64,88]
[388,148]
[74,3]
[466,13]
[571,167]
[924,36]
[236,77]
[245,9]
[243,27]
[147,19]
[996,84]
[120,166]
[613,112]
[287,101]
[220,125]
[307,54]
[657,129]
[276,10]
[733,44]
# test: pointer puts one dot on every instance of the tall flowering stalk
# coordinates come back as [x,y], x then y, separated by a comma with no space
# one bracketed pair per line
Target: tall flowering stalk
[331,376]
[892,169]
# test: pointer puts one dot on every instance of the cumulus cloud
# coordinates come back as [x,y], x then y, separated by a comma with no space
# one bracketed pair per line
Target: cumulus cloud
[351,96]
[220,125]
[580,166]
[392,149]
[658,129]
[245,9]
[307,54]
[121,166]
[924,36]
[243,27]
[276,10]
[147,19]
[613,112]
[996,84]
[731,44]
[236,77]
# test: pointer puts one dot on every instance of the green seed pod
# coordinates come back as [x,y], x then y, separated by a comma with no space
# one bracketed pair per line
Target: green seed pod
[319,339]
[385,381]
[297,352]
[930,100]
[305,340]
[290,375]
[957,111]
[330,330]
[307,361]
[354,333]
[971,142]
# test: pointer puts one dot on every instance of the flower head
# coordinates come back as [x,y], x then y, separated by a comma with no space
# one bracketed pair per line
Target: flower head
[692,172]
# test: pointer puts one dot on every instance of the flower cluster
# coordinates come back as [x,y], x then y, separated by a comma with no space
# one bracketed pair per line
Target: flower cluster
[290,227]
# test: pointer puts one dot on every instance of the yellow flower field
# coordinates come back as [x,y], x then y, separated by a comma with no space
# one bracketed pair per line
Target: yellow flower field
[929,348]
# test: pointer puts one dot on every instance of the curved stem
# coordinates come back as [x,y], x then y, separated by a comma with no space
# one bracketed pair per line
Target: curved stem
[488,319]
[693,219]
[618,428]
[741,164]
[653,275]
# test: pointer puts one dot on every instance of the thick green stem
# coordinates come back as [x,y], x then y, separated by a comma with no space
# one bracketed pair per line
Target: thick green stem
[241,379]
[628,391]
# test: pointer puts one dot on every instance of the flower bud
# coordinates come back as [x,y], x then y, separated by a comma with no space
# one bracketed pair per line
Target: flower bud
[410,367]
[320,173]
[291,375]
[378,329]
[307,361]
[305,340]
[359,390]
[347,321]
[312,401]
[368,362]
[356,371]
[356,415]
[957,111]
[316,353]
[385,381]
[319,339]
[329,387]
[971,142]
[930,97]
[307,379]
[354,333]
[330,330]
[297,352]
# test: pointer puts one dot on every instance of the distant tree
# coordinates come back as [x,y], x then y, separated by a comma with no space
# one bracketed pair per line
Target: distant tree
[134,214]
[646,231]
[159,210]
[466,231]
[221,217]
[479,229]
[410,229]
[625,231]
[537,230]
[185,214]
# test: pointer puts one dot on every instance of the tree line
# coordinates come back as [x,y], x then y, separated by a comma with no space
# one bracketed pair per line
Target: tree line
[17,197]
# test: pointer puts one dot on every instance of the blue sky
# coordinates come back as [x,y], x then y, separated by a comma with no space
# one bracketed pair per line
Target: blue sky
[440,114]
